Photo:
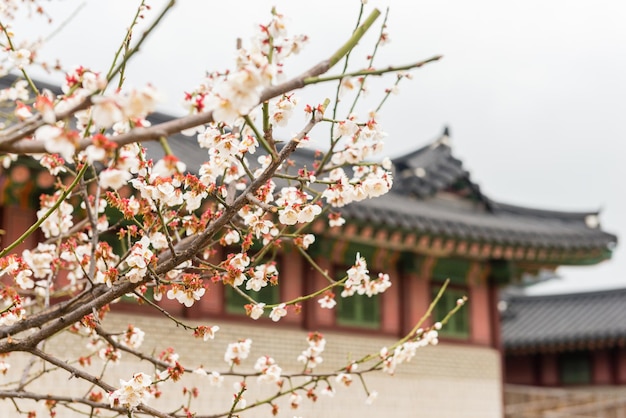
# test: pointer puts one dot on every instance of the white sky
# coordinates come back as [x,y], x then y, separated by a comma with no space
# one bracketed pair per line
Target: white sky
[534,91]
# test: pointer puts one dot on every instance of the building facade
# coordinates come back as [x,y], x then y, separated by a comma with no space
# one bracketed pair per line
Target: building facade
[568,340]
[434,225]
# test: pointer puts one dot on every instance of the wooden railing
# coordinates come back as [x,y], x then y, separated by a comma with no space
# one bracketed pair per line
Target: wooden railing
[583,402]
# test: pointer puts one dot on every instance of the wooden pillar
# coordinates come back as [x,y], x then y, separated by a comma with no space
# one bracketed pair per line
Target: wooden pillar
[521,369]
[391,322]
[479,306]
[291,282]
[15,221]
[212,303]
[415,299]
[316,316]
[620,367]
[601,370]
[549,372]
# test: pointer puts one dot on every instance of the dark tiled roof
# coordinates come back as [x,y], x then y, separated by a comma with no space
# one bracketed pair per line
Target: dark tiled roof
[434,195]
[560,322]
[428,170]
[438,217]
[415,203]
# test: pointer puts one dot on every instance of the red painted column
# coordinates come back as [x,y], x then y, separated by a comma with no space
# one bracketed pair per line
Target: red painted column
[16,220]
[174,308]
[291,282]
[479,306]
[520,370]
[549,374]
[391,321]
[620,372]
[496,324]
[211,304]
[415,299]
[601,368]
[316,316]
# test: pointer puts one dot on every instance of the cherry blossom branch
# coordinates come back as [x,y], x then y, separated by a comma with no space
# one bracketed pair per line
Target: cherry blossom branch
[8,144]
[313,379]
[21,68]
[93,221]
[125,42]
[65,22]
[373,72]
[10,136]
[345,68]
[30,125]
[314,294]
[109,339]
[8,308]
[73,371]
[237,399]
[63,317]
[164,312]
[414,331]
[316,266]
[189,247]
[50,211]
[261,138]
[20,394]
[388,92]
[372,56]
[454,310]
[92,379]
[355,38]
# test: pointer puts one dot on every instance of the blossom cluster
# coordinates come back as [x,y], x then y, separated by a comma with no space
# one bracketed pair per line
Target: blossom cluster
[367,182]
[406,351]
[60,221]
[11,306]
[155,211]
[132,392]
[238,351]
[359,281]
[295,207]
[132,339]
[235,93]
[311,356]
[270,371]
[118,110]
[189,290]
[138,260]
[215,378]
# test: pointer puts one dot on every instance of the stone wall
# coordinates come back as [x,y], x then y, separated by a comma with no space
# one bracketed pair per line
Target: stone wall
[450,380]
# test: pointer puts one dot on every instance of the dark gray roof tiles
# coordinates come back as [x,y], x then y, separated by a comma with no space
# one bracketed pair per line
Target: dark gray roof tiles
[432,216]
[415,203]
[536,323]
[423,175]
[428,170]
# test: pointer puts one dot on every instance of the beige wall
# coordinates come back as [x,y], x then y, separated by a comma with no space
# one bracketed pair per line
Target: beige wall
[444,381]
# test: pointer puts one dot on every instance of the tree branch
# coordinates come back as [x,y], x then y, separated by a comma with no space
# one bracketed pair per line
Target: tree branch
[8,144]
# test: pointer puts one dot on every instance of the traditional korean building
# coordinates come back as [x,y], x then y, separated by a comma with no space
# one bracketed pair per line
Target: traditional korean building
[565,355]
[576,339]
[434,225]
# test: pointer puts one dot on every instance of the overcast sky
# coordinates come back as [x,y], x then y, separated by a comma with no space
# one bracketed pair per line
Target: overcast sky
[534,92]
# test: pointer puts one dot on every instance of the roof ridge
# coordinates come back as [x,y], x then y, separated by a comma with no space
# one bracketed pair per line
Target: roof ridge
[578,215]
[570,295]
